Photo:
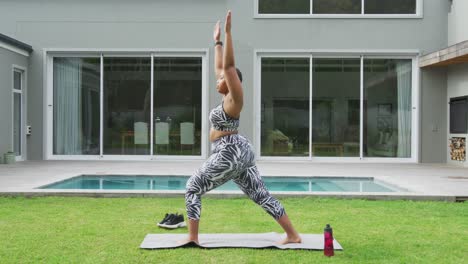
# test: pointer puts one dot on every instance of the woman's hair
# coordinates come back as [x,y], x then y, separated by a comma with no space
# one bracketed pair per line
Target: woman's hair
[239,73]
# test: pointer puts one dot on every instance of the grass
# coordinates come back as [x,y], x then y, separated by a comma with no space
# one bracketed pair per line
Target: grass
[110,230]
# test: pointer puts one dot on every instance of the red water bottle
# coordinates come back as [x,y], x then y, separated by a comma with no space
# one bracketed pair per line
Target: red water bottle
[328,241]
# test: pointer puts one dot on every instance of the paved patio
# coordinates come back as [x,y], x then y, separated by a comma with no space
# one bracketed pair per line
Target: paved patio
[421,181]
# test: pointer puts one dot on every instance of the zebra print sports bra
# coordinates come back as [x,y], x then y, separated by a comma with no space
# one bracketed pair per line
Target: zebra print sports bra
[222,121]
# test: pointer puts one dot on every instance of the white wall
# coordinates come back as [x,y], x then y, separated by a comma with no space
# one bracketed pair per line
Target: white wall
[457,85]
[7,60]
[184,24]
[433,114]
[457,75]
[458,22]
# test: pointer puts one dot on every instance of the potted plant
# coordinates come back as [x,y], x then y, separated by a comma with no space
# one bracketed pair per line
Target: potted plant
[9,157]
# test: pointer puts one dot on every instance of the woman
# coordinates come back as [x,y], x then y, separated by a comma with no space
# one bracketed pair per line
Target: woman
[232,158]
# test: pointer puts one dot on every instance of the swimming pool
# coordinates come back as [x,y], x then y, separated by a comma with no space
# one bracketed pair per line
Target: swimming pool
[276,184]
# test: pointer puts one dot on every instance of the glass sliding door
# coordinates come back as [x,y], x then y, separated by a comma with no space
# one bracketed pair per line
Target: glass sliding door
[387,107]
[335,107]
[126,105]
[285,106]
[17,112]
[127,98]
[340,87]
[76,95]
[17,124]
[177,105]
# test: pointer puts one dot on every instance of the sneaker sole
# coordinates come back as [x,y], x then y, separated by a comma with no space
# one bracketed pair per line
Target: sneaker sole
[182,224]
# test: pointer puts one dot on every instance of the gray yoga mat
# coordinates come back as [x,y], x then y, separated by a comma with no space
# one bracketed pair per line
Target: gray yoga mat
[265,240]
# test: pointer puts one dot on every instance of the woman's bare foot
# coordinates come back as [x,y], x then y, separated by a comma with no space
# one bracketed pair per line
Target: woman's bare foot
[288,240]
[291,234]
[187,240]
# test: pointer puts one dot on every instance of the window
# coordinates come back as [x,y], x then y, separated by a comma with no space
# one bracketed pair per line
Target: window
[284,7]
[389,6]
[144,110]
[364,8]
[459,115]
[285,107]
[311,106]
[127,86]
[177,103]
[337,7]
[387,110]
[18,112]
[76,106]
[336,86]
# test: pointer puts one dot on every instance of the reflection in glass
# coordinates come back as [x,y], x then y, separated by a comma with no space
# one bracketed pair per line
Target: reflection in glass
[17,128]
[389,6]
[387,108]
[177,106]
[284,7]
[76,106]
[17,80]
[335,107]
[285,107]
[127,89]
[337,7]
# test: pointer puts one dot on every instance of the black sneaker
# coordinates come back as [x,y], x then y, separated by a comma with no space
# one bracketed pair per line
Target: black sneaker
[174,222]
[165,219]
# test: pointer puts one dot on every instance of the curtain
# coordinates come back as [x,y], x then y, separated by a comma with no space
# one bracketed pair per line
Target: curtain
[403,69]
[67,106]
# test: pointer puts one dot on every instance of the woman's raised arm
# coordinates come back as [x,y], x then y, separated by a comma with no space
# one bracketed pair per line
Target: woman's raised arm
[230,74]
[218,50]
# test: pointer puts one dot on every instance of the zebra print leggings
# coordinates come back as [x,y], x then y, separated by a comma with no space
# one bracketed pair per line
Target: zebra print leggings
[232,159]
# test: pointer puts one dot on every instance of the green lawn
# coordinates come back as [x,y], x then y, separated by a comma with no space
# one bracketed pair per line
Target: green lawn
[110,230]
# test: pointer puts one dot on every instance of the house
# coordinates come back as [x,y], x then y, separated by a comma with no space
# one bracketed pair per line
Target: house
[340,81]
[14,61]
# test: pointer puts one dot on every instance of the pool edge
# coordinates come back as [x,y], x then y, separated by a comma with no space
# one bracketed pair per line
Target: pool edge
[233,194]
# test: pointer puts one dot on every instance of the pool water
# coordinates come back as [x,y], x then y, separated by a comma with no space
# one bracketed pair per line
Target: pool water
[281,184]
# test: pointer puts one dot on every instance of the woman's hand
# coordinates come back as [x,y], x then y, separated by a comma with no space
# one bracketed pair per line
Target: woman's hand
[217,32]
[227,25]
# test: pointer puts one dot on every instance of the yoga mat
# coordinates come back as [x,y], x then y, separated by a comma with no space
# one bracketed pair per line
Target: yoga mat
[264,240]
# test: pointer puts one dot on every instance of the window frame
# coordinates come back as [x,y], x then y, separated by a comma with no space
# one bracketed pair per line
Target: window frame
[51,53]
[363,54]
[417,15]
[453,101]
[23,110]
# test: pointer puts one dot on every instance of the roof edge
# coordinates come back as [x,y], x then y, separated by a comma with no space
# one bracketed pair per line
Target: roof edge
[16,43]
[454,54]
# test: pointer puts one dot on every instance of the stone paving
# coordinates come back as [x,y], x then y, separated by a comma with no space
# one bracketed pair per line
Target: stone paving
[420,181]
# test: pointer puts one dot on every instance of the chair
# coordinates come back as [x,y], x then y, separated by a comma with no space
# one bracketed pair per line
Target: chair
[385,145]
[140,134]
[161,134]
[277,143]
[187,134]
